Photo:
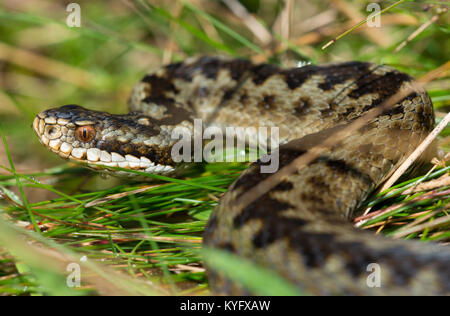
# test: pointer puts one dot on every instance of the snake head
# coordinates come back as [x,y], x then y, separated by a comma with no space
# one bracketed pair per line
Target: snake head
[102,140]
[69,131]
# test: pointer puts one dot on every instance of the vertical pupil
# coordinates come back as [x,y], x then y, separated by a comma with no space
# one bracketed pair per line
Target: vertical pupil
[85,133]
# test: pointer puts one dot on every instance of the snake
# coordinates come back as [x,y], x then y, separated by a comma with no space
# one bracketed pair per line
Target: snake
[301,228]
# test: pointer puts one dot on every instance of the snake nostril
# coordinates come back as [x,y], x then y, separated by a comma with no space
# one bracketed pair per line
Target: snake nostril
[52,131]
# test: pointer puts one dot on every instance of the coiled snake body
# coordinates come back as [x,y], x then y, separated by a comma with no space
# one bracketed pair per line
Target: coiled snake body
[299,228]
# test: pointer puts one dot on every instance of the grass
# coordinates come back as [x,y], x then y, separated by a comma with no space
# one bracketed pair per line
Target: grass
[145,238]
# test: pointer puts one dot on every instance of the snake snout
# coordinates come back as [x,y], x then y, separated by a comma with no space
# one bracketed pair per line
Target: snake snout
[54,132]
[49,134]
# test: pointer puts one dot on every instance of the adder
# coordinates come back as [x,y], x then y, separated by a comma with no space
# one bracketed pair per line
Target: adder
[300,228]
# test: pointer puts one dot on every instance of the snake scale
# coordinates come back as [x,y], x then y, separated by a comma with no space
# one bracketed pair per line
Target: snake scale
[300,228]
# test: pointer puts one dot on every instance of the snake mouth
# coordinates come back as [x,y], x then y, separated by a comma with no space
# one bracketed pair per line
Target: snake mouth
[78,141]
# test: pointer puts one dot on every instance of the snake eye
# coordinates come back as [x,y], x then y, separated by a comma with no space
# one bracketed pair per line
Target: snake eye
[85,133]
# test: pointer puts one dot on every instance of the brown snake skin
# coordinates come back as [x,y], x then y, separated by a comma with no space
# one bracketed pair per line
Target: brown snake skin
[300,228]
